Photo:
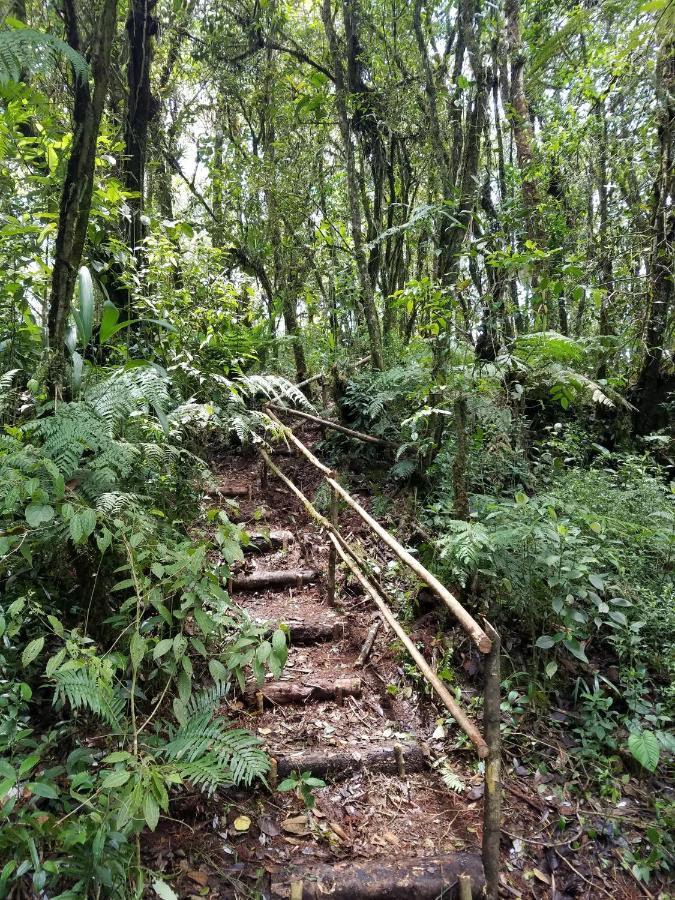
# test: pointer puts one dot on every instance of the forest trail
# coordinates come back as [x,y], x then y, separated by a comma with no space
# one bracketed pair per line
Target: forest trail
[385,821]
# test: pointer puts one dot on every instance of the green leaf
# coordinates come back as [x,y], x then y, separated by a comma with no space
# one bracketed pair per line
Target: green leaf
[137,647]
[108,321]
[32,651]
[162,647]
[597,582]
[551,669]
[38,514]
[115,779]
[28,763]
[117,756]
[151,810]
[84,313]
[287,784]
[180,644]
[217,670]
[576,649]
[184,686]
[43,789]
[278,641]
[644,746]
[545,642]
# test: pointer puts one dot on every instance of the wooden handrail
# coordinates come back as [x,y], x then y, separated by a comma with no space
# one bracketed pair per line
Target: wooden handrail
[443,693]
[347,555]
[319,375]
[326,423]
[465,619]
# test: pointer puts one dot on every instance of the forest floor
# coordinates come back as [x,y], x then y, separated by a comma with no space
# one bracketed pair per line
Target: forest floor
[244,844]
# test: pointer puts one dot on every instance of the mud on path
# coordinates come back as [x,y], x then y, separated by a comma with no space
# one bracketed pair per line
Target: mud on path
[383,751]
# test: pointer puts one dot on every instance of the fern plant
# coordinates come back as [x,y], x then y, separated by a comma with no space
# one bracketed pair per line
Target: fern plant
[24,49]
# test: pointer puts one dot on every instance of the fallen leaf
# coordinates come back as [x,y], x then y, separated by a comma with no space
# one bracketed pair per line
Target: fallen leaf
[296,825]
[341,833]
[242,823]
[438,734]
[541,876]
[199,876]
[391,837]
[269,827]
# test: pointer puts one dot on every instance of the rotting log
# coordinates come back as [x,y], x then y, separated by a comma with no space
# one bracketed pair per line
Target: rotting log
[390,878]
[258,581]
[343,550]
[285,693]
[336,765]
[232,489]
[326,423]
[444,695]
[302,634]
[274,539]
[368,645]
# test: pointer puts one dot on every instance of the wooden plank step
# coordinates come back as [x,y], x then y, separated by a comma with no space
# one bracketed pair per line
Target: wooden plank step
[389,878]
[302,634]
[339,764]
[259,581]
[283,693]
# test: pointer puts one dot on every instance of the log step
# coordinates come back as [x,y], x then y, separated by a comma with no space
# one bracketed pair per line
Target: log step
[302,634]
[334,766]
[283,693]
[273,539]
[233,489]
[424,878]
[258,581]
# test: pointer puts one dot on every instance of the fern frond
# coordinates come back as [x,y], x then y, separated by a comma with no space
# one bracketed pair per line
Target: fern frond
[25,48]
[83,690]
[236,751]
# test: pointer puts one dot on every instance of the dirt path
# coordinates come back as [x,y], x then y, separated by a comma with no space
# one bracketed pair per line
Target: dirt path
[403,790]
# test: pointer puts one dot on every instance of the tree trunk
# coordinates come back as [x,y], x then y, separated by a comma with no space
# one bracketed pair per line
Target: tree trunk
[79,181]
[366,286]
[652,386]
[141,27]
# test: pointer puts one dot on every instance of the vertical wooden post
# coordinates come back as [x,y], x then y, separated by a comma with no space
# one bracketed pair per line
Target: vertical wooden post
[332,553]
[492,798]
[324,393]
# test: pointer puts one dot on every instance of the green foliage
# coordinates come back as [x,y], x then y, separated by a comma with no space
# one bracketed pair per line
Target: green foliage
[24,49]
[303,784]
[98,485]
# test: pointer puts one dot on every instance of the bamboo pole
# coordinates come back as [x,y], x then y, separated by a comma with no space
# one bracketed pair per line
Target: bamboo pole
[492,797]
[444,695]
[288,433]
[326,423]
[313,378]
[331,554]
[465,619]
[343,551]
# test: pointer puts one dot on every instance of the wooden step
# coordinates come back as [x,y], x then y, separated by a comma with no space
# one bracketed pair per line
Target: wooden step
[282,693]
[390,878]
[302,634]
[340,764]
[259,581]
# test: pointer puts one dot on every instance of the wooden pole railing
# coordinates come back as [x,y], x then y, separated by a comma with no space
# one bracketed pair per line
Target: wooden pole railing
[486,639]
